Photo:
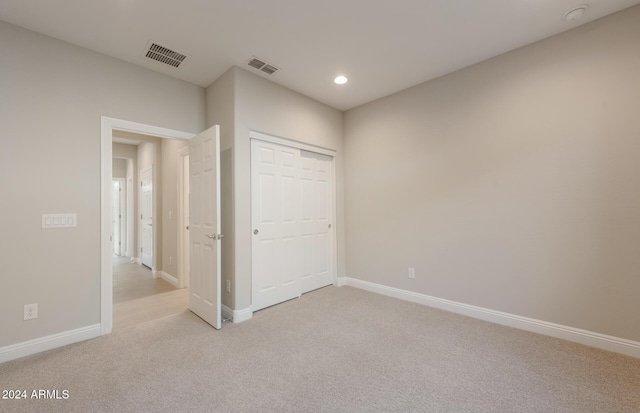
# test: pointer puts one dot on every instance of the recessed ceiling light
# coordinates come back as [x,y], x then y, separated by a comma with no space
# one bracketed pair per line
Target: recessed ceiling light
[576,13]
[341,80]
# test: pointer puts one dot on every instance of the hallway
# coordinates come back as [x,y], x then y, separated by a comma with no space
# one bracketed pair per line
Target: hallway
[138,297]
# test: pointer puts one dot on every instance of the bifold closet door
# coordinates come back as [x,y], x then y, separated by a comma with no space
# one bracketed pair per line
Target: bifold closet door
[291,194]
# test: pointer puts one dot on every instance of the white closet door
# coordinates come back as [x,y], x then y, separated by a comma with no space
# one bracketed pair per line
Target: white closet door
[316,221]
[275,195]
[292,246]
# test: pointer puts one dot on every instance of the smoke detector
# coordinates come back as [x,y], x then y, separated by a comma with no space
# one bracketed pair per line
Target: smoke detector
[576,13]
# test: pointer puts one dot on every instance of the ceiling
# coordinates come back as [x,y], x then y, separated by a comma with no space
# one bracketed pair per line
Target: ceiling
[382,46]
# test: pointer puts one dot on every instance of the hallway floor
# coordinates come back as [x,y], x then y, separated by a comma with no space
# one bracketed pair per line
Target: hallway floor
[138,297]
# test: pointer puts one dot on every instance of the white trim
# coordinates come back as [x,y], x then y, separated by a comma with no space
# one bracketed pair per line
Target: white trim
[37,345]
[242,315]
[589,338]
[237,316]
[169,278]
[107,126]
[334,216]
[227,313]
[291,143]
[182,216]
[341,281]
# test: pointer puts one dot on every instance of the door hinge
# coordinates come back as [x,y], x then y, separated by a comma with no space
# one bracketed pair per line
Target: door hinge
[140,216]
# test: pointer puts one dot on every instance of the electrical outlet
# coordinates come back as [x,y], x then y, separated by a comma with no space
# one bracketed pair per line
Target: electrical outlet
[228,285]
[412,273]
[30,311]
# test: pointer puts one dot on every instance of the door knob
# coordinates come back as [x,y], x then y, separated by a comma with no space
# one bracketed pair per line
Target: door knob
[211,236]
[329,226]
[255,232]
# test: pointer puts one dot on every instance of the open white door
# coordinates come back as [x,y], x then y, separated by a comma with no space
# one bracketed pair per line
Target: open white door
[204,226]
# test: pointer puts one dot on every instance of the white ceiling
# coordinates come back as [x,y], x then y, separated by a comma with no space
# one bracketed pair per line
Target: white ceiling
[383,46]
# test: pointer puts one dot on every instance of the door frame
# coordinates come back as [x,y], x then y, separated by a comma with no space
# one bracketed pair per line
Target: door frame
[183,154]
[107,126]
[255,135]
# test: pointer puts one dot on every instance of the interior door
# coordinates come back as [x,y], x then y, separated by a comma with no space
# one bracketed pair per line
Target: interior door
[316,222]
[204,226]
[146,217]
[275,193]
[116,216]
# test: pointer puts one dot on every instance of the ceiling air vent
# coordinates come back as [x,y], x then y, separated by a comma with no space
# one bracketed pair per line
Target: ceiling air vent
[164,55]
[262,66]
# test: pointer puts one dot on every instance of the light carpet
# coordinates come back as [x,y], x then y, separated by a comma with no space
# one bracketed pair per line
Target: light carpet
[333,350]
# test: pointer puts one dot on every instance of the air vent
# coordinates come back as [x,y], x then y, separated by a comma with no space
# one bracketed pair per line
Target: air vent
[164,55]
[262,66]
[256,63]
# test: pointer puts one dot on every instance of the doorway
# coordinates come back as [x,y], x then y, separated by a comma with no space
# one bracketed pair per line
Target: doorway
[108,126]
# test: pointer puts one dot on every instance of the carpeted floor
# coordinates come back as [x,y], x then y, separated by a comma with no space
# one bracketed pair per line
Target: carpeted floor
[333,350]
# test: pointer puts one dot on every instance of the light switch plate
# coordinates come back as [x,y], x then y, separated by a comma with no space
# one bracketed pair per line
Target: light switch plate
[59,221]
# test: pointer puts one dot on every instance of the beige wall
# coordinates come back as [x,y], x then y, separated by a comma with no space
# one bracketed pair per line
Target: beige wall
[240,101]
[511,185]
[220,111]
[266,107]
[119,168]
[53,95]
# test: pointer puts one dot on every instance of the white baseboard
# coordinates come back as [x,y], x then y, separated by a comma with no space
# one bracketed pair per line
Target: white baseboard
[169,278]
[242,315]
[38,345]
[589,338]
[227,313]
[341,281]
[238,316]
